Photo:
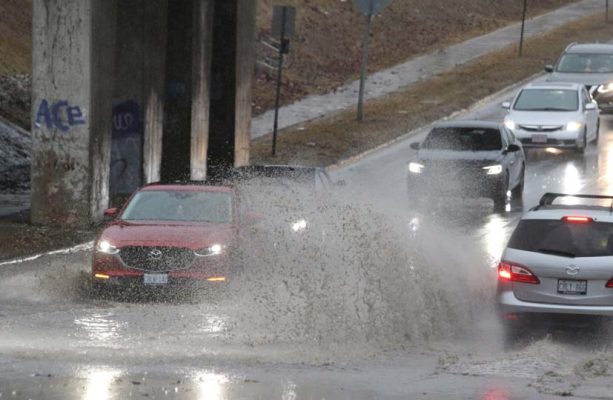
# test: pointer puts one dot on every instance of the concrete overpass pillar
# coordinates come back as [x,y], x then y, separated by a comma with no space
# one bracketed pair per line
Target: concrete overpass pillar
[73,61]
[202,41]
[156,28]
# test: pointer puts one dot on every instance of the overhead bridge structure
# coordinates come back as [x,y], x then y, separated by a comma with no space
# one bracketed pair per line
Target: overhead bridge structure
[127,92]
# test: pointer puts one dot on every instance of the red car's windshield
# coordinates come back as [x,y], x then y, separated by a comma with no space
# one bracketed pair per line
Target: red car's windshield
[213,207]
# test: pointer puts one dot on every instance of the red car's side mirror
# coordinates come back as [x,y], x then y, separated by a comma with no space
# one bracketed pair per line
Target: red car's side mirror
[111,213]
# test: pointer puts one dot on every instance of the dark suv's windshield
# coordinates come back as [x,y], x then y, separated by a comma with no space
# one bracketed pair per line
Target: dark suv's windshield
[464,139]
[213,207]
[547,100]
[548,236]
[586,63]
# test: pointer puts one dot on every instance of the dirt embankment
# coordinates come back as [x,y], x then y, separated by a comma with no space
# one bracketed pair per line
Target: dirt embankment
[325,52]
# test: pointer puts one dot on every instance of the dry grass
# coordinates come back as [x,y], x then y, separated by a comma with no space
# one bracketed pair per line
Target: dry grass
[328,141]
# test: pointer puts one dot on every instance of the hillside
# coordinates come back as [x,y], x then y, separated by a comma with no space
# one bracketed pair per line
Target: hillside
[325,51]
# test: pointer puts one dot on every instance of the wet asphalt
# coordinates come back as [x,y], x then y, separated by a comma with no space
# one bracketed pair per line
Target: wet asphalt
[58,342]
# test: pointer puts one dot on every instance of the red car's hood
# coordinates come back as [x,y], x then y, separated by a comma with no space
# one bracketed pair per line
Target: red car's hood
[193,236]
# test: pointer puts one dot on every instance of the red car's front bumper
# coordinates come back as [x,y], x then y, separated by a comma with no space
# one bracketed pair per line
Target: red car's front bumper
[109,269]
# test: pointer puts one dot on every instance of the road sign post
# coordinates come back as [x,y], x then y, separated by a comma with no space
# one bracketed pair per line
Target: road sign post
[369,8]
[523,27]
[283,22]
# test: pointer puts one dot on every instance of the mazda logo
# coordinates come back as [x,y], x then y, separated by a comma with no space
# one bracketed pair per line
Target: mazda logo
[539,128]
[572,270]
[155,254]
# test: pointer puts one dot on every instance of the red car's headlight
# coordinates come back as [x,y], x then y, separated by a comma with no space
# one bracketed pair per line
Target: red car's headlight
[213,250]
[104,246]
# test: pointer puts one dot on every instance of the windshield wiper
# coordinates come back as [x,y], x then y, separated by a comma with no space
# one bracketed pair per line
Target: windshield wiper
[557,252]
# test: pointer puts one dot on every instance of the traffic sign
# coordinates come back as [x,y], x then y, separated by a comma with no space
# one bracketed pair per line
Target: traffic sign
[371,7]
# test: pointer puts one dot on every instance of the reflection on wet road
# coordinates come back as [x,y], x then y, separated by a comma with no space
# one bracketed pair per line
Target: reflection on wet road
[77,347]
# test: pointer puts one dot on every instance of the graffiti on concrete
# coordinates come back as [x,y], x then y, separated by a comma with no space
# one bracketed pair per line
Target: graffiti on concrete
[60,115]
[126,150]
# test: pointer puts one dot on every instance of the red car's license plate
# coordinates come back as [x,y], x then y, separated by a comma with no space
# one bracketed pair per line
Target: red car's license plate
[155,279]
[566,286]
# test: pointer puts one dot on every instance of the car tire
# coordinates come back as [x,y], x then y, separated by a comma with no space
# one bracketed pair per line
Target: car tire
[581,150]
[500,195]
[518,191]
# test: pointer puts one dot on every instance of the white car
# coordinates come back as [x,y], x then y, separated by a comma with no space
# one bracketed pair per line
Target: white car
[562,115]
[558,263]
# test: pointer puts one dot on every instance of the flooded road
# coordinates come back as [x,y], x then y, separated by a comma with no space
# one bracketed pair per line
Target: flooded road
[383,302]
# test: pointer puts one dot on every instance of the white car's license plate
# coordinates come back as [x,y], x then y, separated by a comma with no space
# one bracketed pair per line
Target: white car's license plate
[566,286]
[155,279]
[539,138]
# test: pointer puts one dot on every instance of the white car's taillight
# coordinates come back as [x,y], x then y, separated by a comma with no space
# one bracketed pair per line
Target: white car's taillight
[516,273]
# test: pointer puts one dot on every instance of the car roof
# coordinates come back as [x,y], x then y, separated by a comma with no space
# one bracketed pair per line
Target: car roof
[554,85]
[468,124]
[191,186]
[602,214]
[590,48]
[600,208]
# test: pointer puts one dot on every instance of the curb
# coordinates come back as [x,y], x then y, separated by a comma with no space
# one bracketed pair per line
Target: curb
[354,159]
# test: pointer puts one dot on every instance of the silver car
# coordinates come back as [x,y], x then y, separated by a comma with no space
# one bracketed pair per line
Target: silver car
[558,263]
[561,115]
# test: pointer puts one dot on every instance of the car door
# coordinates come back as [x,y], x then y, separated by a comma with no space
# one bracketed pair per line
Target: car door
[591,116]
[511,157]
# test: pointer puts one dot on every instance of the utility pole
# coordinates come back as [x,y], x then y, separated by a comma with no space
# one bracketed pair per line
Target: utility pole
[364,66]
[523,27]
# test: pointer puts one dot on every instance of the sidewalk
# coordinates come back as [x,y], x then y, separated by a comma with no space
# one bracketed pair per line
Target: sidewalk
[420,68]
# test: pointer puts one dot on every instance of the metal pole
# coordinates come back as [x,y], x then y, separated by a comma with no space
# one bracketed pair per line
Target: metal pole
[279,76]
[606,14]
[364,65]
[523,26]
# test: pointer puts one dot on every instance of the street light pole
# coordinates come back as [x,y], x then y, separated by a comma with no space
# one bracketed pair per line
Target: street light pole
[363,67]
[523,27]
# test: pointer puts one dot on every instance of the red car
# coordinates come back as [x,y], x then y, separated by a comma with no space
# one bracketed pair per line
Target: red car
[167,234]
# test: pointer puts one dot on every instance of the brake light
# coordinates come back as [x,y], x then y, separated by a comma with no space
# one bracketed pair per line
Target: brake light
[577,220]
[515,273]
[610,283]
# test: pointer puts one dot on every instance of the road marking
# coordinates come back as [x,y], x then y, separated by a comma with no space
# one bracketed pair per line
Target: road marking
[70,250]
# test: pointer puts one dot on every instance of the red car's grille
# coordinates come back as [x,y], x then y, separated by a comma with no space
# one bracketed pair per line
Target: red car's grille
[157,259]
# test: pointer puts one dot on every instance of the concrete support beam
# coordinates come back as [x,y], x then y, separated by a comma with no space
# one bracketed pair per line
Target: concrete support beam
[245,62]
[202,40]
[156,26]
[71,114]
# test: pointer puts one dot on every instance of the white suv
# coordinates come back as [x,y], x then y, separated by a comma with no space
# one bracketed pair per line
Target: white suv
[559,262]
[553,115]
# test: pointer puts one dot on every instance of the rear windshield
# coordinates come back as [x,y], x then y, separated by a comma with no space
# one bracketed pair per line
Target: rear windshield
[189,206]
[586,63]
[548,236]
[463,139]
[547,100]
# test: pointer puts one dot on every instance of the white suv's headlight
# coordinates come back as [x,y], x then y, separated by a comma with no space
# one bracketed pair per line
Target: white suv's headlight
[415,168]
[509,124]
[493,169]
[104,246]
[213,250]
[573,126]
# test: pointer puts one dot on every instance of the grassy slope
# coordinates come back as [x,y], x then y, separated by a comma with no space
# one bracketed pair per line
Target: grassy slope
[326,50]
